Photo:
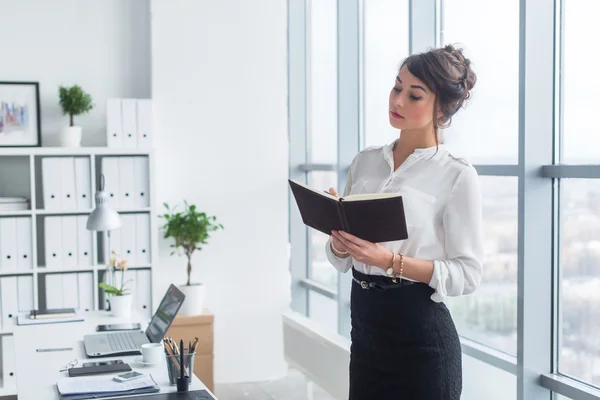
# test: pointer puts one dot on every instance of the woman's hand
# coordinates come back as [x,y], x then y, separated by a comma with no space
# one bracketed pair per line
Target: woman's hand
[363,251]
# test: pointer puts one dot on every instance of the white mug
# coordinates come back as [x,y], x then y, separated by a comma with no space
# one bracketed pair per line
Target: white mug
[152,353]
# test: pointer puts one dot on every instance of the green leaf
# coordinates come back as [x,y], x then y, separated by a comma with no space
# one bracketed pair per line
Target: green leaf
[74,101]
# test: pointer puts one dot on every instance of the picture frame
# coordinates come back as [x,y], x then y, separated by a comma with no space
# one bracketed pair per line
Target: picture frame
[20,121]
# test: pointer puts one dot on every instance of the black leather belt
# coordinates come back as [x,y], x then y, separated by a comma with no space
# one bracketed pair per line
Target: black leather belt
[382,286]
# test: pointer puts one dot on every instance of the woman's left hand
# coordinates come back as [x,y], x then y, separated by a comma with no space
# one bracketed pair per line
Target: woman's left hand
[363,251]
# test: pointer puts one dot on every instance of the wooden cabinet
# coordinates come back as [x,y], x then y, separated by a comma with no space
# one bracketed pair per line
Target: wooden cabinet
[200,326]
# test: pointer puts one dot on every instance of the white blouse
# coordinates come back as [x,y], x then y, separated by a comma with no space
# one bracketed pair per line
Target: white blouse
[442,204]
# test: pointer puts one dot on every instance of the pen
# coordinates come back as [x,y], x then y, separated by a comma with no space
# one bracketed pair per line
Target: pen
[54,349]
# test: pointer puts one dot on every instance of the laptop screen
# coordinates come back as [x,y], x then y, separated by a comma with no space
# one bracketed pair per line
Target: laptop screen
[164,315]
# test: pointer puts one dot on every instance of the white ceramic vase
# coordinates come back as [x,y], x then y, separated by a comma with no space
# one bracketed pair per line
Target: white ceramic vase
[121,305]
[194,299]
[70,136]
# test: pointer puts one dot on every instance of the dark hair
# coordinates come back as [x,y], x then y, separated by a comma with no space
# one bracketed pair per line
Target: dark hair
[447,72]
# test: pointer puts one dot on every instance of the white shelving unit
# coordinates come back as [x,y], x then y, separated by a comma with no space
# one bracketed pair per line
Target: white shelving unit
[21,175]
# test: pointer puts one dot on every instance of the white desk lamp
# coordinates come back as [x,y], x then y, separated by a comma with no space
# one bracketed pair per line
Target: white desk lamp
[104,219]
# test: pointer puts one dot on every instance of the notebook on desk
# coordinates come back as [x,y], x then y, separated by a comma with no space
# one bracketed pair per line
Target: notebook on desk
[130,342]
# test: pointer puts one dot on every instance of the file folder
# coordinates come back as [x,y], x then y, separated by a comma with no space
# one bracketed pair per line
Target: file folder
[141,181]
[128,239]
[126,183]
[144,123]
[51,183]
[70,293]
[84,243]
[24,243]
[129,123]
[144,292]
[53,248]
[25,292]
[54,289]
[85,283]
[8,362]
[110,170]
[69,241]
[8,243]
[142,236]
[114,126]
[83,187]
[67,181]
[9,295]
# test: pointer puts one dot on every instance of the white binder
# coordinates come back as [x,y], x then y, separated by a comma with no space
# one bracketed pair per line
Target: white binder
[144,292]
[25,291]
[24,243]
[86,291]
[110,170]
[144,123]
[84,243]
[129,123]
[53,248]
[126,183]
[9,363]
[83,188]
[9,295]
[54,289]
[8,243]
[70,291]
[142,237]
[51,183]
[141,181]
[114,125]
[69,241]
[128,239]
[67,178]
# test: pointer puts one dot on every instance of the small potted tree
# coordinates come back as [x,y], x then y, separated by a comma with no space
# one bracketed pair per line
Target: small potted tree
[73,101]
[190,229]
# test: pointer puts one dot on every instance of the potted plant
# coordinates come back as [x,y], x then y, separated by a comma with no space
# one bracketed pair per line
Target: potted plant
[73,101]
[190,229]
[120,298]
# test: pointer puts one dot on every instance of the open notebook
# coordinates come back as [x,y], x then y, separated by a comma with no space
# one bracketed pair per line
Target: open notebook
[376,217]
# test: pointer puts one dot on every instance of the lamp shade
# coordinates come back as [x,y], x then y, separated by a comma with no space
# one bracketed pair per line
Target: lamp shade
[103,218]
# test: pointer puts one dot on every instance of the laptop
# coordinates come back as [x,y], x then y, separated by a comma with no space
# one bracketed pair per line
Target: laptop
[130,342]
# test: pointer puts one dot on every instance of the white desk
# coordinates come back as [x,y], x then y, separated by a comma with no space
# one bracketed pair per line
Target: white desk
[38,372]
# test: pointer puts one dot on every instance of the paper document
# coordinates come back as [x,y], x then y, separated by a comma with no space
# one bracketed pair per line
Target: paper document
[102,384]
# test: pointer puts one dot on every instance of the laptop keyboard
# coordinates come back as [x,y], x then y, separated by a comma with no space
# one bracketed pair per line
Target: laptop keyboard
[121,341]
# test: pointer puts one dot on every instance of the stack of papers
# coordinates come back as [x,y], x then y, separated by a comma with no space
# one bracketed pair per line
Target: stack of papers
[13,204]
[91,387]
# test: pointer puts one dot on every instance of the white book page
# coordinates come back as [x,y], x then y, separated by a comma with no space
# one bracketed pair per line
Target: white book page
[369,196]
[100,384]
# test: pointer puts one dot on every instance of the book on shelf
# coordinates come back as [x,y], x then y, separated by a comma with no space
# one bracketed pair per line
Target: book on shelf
[52,313]
[375,217]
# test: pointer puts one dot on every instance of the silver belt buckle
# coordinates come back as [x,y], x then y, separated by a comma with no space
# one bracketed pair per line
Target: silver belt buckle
[364,285]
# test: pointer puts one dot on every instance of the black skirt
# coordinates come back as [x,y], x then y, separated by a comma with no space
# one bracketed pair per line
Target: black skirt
[404,345]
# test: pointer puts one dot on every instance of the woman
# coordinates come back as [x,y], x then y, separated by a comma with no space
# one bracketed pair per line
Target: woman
[404,342]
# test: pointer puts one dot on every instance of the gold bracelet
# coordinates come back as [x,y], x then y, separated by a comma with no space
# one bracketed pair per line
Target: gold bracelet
[401,265]
[336,250]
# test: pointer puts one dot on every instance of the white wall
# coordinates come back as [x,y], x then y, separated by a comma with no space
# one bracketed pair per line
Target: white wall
[220,98]
[103,46]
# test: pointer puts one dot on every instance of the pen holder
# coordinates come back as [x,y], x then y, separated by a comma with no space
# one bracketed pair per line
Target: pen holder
[173,367]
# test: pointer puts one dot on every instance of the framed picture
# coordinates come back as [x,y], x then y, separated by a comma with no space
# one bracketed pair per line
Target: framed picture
[20,114]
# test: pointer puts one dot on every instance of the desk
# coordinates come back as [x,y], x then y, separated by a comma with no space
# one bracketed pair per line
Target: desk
[37,373]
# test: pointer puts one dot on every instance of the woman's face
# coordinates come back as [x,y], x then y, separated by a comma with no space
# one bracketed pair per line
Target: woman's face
[411,102]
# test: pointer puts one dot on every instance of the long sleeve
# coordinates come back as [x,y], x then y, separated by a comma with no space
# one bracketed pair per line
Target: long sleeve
[461,272]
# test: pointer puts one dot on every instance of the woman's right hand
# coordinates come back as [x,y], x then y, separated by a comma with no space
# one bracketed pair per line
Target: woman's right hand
[336,243]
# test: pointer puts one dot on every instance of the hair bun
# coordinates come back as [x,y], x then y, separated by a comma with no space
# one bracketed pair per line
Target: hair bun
[468,77]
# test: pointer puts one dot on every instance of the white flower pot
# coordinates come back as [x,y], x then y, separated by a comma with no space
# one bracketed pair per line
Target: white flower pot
[194,299]
[70,136]
[121,305]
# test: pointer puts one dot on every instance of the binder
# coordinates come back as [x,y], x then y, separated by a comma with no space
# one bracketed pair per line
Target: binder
[85,283]
[70,292]
[67,181]
[126,183]
[8,243]
[8,362]
[54,289]
[9,296]
[69,241]
[51,183]
[24,243]
[25,293]
[110,170]
[142,237]
[128,107]
[53,248]
[83,186]
[141,181]
[144,123]
[114,126]
[144,292]
[128,239]
[84,243]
